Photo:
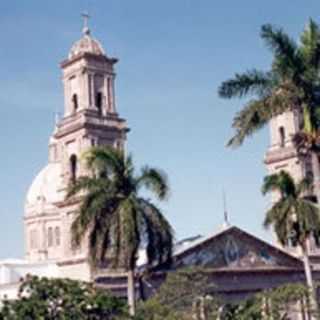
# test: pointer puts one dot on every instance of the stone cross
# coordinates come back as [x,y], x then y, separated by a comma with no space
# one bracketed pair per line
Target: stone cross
[85,29]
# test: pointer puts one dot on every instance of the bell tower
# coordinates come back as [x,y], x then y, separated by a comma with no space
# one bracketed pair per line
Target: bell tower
[88,77]
[282,154]
[90,117]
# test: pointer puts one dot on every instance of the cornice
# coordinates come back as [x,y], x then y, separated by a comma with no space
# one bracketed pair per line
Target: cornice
[100,58]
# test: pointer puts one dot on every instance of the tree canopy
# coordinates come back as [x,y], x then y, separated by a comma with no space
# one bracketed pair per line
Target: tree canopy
[62,299]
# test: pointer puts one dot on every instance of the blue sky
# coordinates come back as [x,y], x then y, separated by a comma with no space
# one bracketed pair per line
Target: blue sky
[173,56]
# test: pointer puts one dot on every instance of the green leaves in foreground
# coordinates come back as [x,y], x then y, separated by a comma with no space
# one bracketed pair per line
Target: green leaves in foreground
[62,299]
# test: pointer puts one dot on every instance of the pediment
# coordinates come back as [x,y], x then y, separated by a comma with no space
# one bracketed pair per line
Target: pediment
[234,249]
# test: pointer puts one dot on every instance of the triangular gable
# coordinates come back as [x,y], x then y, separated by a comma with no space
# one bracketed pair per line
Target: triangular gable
[235,249]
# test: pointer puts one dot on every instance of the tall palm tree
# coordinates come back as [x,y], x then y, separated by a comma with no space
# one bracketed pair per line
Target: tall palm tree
[117,218]
[293,217]
[291,84]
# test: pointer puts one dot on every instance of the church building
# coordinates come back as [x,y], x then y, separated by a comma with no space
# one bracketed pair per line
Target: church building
[240,263]
[90,118]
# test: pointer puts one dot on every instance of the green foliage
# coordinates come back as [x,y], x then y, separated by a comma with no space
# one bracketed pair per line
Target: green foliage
[62,299]
[278,304]
[292,216]
[293,82]
[115,215]
[189,295]
[183,294]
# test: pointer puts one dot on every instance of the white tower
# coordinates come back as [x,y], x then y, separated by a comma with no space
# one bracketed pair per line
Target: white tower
[90,118]
[282,155]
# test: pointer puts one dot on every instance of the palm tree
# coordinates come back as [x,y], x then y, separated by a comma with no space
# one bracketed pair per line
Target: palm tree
[291,84]
[293,217]
[117,218]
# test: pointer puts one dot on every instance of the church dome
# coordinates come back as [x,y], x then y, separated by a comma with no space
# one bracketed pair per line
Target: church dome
[87,44]
[45,188]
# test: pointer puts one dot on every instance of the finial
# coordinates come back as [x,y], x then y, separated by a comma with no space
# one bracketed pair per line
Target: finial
[85,30]
[56,117]
[56,120]
[226,222]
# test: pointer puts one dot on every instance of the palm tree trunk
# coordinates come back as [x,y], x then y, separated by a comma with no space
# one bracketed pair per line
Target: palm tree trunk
[309,280]
[131,293]
[316,174]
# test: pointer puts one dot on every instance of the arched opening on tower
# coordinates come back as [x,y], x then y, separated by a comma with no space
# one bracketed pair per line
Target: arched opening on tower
[50,237]
[109,90]
[282,134]
[75,102]
[99,100]
[57,236]
[73,168]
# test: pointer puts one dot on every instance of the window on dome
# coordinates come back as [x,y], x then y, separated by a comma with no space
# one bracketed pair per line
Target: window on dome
[75,102]
[99,99]
[73,168]
[57,236]
[50,237]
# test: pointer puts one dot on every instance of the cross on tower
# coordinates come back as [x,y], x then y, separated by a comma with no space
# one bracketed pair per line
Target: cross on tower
[86,18]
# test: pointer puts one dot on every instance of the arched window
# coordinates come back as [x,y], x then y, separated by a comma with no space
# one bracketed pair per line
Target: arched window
[50,237]
[57,235]
[99,99]
[282,135]
[73,168]
[109,89]
[33,239]
[75,103]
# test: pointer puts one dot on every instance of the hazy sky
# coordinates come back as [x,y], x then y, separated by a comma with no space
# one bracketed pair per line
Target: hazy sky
[173,56]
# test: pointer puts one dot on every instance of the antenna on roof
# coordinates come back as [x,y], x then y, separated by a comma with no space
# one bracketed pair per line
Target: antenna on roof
[226,222]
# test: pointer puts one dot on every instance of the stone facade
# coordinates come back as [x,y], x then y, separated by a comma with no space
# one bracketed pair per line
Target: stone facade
[239,263]
[90,119]
[282,154]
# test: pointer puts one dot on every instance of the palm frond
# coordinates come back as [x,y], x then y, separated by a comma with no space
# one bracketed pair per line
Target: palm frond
[287,61]
[281,182]
[270,183]
[159,233]
[305,185]
[93,205]
[130,240]
[252,82]
[310,45]
[247,121]
[308,218]
[279,216]
[154,180]
[87,184]
[105,159]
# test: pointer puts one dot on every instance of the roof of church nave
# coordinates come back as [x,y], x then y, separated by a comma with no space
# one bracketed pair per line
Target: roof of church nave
[87,44]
